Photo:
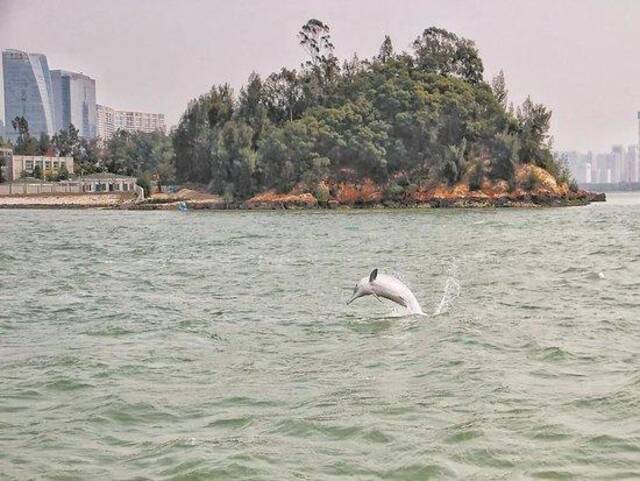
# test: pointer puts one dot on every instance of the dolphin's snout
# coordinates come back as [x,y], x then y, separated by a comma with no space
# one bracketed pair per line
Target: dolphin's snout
[355,296]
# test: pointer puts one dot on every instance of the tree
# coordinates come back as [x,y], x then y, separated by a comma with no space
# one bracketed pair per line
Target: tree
[315,38]
[121,155]
[221,105]
[321,69]
[166,173]
[25,143]
[144,181]
[505,156]
[499,87]
[442,52]
[89,157]
[386,50]
[253,107]
[234,160]
[533,129]
[283,96]
[162,158]
[67,141]
[286,153]
[44,145]
[195,138]
[37,172]
[63,173]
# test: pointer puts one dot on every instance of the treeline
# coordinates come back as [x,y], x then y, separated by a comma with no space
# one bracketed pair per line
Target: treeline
[397,118]
[427,115]
[148,156]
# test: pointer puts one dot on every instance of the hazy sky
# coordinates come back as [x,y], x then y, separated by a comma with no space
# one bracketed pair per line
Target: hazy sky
[579,57]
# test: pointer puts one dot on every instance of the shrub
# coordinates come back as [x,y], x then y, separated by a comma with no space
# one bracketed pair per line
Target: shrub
[228,193]
[321,193]
[450,172]
[37,172]
[394,192]
[144,181]
[532,181]
[475,177]
[573,186]
[63,173]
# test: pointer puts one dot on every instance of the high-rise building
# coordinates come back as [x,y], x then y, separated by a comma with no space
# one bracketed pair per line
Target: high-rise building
[27,92]
[639,129]
[630,161]
[75,102]
[618,170]
[110,120]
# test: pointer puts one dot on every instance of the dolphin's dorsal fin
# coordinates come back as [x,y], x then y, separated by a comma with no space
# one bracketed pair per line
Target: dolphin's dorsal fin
[373,275]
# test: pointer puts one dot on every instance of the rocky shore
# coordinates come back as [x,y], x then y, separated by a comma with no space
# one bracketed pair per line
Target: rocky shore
[367,194]
[344,194]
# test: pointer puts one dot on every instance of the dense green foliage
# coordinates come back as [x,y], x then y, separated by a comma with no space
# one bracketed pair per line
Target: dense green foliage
[148,155]
[428,116]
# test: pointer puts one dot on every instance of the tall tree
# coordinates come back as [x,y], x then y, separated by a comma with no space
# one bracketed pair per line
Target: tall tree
[443,52]
[44,145]
[195,138]
[252,107]
[67,141]
[386,50]
[283,96]
[534,124]
[25,143]
[234,161]
[315,38]
[499,87]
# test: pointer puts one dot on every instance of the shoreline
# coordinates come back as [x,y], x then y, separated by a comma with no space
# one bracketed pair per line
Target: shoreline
[289,202]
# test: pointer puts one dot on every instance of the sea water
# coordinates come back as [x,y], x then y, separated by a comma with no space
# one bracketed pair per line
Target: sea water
[217,345]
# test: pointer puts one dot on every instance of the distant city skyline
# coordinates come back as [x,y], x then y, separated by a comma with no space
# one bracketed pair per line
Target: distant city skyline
[575,56]
[620,165]
[52,100]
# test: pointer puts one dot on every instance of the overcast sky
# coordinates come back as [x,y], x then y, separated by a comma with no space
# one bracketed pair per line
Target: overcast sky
[579,57]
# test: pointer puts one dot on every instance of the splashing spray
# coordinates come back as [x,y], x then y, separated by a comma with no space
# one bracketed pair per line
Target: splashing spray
[451,290]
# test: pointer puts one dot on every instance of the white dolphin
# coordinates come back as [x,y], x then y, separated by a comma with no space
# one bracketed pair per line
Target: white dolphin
[389,287]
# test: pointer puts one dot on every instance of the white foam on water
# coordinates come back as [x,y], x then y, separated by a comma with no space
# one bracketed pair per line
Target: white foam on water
[451,291]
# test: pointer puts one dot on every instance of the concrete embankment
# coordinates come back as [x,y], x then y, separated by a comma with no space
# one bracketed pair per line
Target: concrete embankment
[65,201]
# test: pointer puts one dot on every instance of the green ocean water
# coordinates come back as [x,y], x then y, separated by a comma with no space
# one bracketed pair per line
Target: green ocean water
[217,345]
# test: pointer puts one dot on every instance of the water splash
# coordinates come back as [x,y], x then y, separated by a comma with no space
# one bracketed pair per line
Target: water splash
[451,290]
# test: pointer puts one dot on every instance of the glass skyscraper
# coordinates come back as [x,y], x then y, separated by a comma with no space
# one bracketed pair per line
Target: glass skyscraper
[28,92]
[75,102]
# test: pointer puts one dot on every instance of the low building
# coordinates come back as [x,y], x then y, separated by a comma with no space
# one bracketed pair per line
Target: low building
[24,165]
[106,182]
[5,159]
